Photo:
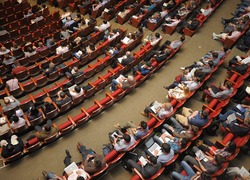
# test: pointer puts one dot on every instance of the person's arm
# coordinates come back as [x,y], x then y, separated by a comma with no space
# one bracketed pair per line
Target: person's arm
[196,176]
[201,166]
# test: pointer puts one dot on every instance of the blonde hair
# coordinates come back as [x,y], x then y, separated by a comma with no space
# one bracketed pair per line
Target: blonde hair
[186,91]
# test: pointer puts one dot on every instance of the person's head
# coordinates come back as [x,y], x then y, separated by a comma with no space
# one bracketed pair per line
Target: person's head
[131,79]
[9,76]
[105,21]
[3,48]
[44,6]
[62,95]
[40,44]
[215,54]
[14,118]
[10,147]
[128,53]
[14,45]
[77,89]
[68,18]
[184,142]
[98,163]
[178,17]
[80,178]
[92,46]
[29,49]
[3,143]
[126,137]
[218,159]
[165,147]
[6,101]
[195,129]
[182,38]
[140,29]
[144,125]
[167,106]
[228,84]
[153,159]
[38,14]
[75,69]
[186,91]
[51,65]
[63,44]
[47,127]
[231,147]
[210,63]
[33,110]
[204,114]
[157,35]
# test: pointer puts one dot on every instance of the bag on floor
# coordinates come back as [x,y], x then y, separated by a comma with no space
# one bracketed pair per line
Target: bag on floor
[125,164]
[107,148]
[212,128]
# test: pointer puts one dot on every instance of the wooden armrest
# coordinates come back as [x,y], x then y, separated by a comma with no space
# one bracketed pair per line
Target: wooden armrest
[27,120]
[239,119]
[54,104]
[7,91]
[158,119]
[100,77]
[108,94]
[91,84]
[111,71]
[230,81]
[39,64]
[205,105]
[32,98]
[45,91]
[96,102]
[235,72]
[138,173]
[71,120]
[21,86]
[83,110]
[1,81]
[41,111]
[32,79]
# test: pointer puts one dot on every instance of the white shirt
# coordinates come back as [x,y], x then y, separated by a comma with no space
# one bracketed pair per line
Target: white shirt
[103,27]
[12,84]
[76,94]
[61,50]
[21,122]
[76,173]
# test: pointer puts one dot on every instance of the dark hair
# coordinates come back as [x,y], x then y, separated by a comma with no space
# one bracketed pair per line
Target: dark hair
[215,54]
[204,113]
[205,176]
[126,137]
[33,111]
[219,159]
[15,118]
[211,63]
[229,84]
[80,178]
[47,127]
[165,147]
[157,35]
[63,43]
[153,159]
[184,142]
[77,89]
[144,125]
[105,22]
[231,147]
[98,163]
[10,147]
[62,95]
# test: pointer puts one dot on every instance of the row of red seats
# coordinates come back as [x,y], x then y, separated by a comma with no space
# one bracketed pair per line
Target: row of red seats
[202,20]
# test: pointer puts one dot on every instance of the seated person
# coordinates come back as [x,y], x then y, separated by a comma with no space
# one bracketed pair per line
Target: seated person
[63,48]
[39,17]
[40,47]
[4,50]
[211,148]
[172,22]
[162,110]
[52,68]
[92,162]
[136,131]
[153,40]
[62,99]
[160,54]
[222,93]
[46,131]
[96,5]
[241,95]
[149,169]
[123,143]
[90,48]
[189,117]
[192,24]
[144,68]
[177,130]
[123,13]
[73,73]
[29,52]
[48,107]
[175,143]
[123,82]
[10,103]
[237,60]
[113,34]
[75,91]
[126,59]
[178,93]
[16,121]
[190,174]
[103,27]
[8,60]
[9,150]
[128,39]
[177,43]
[205,163]
[207,11]
[33,113]
[233,36]
[11,83]
[65,33]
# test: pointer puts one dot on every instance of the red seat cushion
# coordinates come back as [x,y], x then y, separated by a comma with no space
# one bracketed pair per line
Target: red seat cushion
[64,125]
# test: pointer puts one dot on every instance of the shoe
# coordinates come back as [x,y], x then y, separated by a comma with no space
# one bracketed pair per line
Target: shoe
[182,68]
[144,114]
[166,87]
[214,35]
[111,89]
[67,153]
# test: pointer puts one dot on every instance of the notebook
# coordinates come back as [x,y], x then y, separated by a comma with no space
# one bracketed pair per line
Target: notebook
[241,108]
[71,168]
[244,172]
[199,154]
[154,147]
[231,118]
[155,106]
[143,161]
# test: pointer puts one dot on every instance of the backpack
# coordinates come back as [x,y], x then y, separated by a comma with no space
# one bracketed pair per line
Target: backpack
[107,148]
[212,128]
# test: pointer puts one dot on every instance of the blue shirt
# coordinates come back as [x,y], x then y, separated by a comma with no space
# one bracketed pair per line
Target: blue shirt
[164,158]
[198,121]
[140,133]
[174,145]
